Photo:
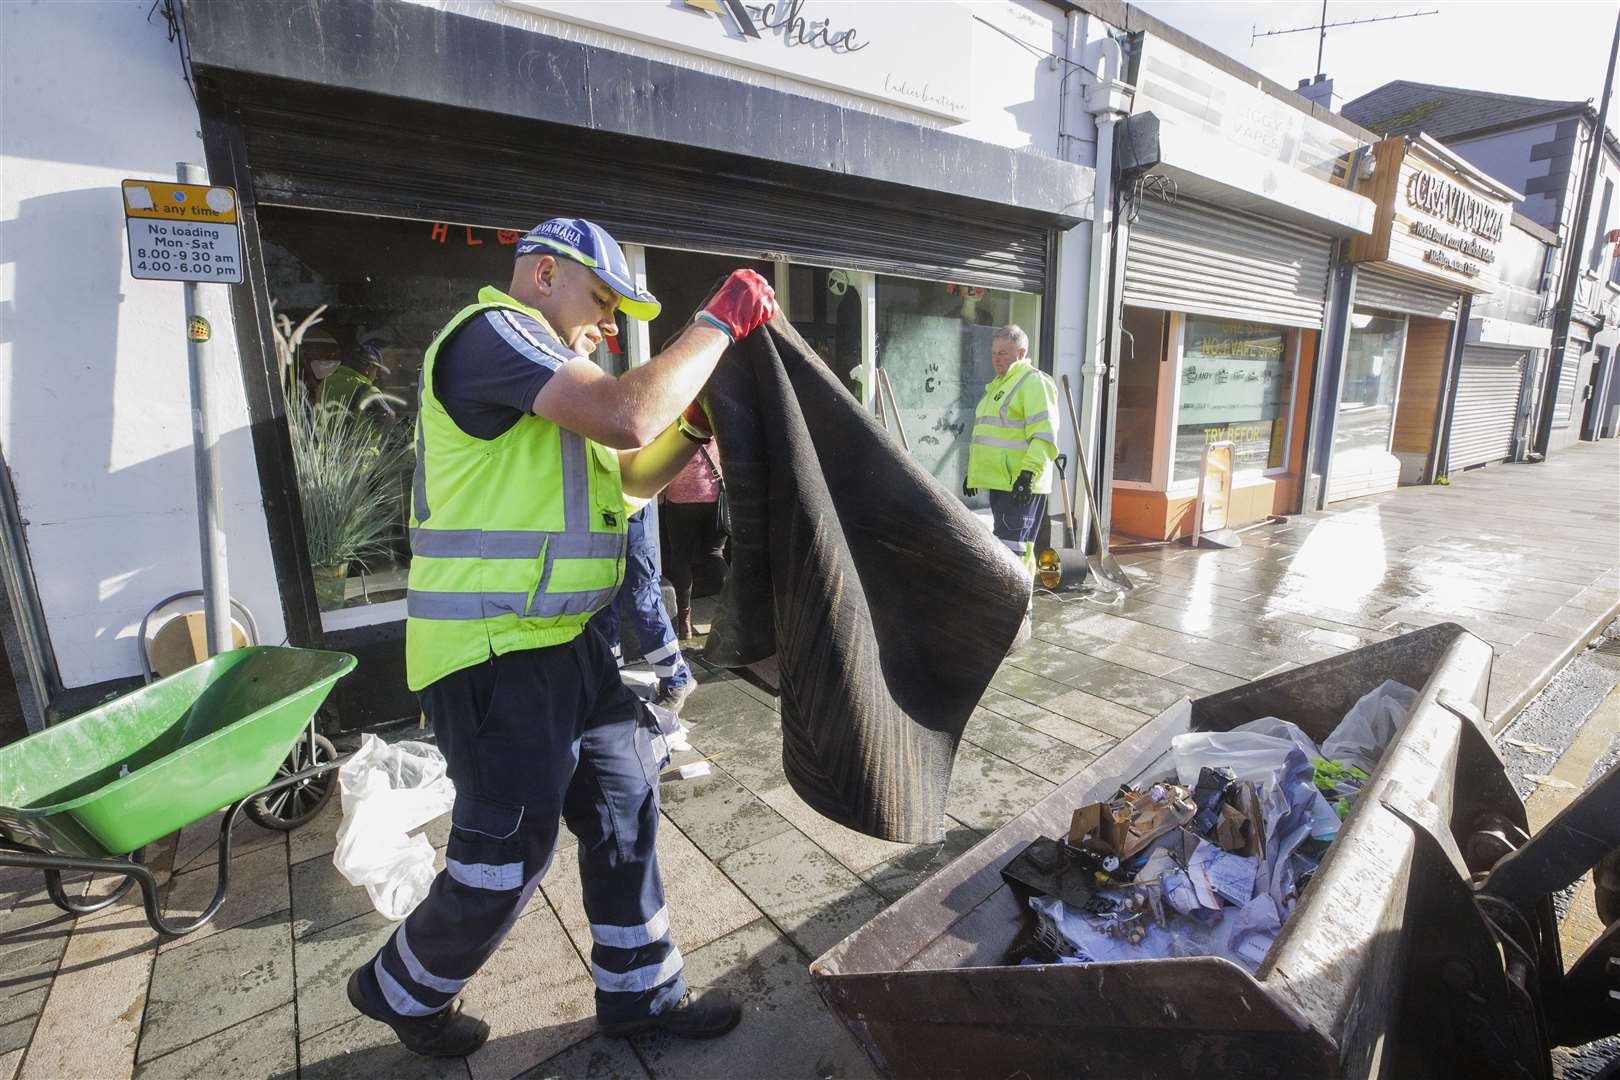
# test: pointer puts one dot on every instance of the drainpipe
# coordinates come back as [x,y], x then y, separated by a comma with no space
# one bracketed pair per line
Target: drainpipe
[1107,100]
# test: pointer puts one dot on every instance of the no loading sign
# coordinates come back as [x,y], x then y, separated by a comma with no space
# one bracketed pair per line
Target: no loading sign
[182,232]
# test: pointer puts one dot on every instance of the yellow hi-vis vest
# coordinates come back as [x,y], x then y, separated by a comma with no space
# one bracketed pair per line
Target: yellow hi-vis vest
[1014,428]
[515,541]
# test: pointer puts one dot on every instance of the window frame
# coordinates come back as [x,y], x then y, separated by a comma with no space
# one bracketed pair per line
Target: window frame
[1170,408]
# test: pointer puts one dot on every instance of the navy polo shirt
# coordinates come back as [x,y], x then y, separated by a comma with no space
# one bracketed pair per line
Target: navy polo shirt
[489,371]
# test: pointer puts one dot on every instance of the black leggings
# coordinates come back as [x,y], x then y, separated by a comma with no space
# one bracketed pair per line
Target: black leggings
[693,550]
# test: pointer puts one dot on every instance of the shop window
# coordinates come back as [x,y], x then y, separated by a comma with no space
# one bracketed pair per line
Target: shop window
[933,341]
[682,281]
[1372,370]
[824,306]
[357,301]
[1142,364]
[1234,385]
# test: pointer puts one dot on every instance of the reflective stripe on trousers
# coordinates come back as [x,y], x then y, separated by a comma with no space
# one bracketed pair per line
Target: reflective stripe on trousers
[563,736]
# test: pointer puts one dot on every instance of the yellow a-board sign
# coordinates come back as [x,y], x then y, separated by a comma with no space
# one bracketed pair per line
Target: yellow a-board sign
[182,232]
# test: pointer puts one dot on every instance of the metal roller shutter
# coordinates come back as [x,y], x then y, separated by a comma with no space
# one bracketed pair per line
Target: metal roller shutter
[327,163]
[1568,375]
[1487,404]
[1207,260]
[1389,292]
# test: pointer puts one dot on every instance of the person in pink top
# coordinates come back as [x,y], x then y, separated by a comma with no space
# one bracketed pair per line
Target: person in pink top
[693,538]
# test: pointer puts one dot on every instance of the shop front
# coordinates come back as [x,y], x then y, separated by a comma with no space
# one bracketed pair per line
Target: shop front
[1234,217]
[1436,244]
[377,203]
[1203,373]
[1507,343]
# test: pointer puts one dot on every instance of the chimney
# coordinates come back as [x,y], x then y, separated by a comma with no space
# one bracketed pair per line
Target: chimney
[1319,91]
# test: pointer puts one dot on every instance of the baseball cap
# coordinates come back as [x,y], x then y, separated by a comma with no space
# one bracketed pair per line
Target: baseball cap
[588,243]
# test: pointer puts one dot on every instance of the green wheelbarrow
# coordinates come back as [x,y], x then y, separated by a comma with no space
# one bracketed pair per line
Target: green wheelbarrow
[90,793]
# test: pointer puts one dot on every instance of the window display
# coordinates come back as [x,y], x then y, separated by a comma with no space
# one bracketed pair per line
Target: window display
[357,300]
[1372,374]
[1236,380]
[933,340]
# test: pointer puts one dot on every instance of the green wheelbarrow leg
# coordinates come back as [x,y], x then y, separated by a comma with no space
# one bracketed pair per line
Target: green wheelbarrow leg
[59,896]
[137,874]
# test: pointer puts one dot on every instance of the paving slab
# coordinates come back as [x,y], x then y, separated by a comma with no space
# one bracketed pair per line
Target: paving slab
[265,1045]
[899,875]
[856,851]
[91,1021]
[257,887]
[807,893]
[1100,713]
[365,1048]
[785,1030]
[718,814]
[537,996]
[987,791]
[703,904]
[18,1014]
[324,962]
[203,987]
[318,836]
[197,844]
[597,1058]
[1200,681]
[1042,754]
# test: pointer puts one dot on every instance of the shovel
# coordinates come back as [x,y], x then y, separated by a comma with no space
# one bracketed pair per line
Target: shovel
[1072,562]
[1103,565]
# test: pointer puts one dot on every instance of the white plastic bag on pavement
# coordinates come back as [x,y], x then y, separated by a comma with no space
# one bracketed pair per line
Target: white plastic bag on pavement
[387,791]
[1367,729]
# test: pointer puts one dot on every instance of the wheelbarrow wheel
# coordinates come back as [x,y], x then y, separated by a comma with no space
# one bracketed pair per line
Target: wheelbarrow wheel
[74,905]
[291,807]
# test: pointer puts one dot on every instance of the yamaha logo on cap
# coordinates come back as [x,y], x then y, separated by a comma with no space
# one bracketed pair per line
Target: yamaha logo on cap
[562,231]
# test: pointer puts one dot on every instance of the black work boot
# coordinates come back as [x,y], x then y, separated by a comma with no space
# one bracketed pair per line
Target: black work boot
[693,1017]
[450,1032]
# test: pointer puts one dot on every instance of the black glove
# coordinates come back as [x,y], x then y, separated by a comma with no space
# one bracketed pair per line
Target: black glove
[1020,489]
[968,492]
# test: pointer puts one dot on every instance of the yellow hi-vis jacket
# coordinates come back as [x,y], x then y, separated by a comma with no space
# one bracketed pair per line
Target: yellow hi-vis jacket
[1015,429]
[515,541]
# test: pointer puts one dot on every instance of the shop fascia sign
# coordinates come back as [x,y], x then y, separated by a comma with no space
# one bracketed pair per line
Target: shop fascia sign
[1475,225]
[915,55]
[1435,215]
[1184,90]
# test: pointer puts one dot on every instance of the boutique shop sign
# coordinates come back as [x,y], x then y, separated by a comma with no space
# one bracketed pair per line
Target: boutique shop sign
[917,55]
[1437,215]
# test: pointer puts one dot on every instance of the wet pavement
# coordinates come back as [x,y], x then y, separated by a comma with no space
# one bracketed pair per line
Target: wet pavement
[1527,557]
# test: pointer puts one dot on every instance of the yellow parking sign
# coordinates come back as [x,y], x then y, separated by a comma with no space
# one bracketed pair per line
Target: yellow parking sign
[182,232]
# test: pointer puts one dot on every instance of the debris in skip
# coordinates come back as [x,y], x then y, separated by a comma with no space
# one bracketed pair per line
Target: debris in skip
[1210,855]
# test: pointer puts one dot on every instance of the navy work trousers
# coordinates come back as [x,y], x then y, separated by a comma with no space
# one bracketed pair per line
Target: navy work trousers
[1017,526]
[643,595]
[531,737]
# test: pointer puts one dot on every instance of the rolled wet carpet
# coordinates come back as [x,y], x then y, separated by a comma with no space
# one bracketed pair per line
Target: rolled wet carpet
[887,604]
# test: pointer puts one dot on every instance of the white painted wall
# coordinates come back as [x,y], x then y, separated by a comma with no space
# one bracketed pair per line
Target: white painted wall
[94,404]
[1014,99]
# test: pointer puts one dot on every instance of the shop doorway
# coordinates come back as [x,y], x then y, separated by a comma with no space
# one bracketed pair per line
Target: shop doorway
[682,280]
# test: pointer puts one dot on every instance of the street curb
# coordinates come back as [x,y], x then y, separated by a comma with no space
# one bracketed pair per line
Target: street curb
[1576,647]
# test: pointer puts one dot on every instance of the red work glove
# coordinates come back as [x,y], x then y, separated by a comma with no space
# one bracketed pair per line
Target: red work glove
[745,302]
[697,420]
